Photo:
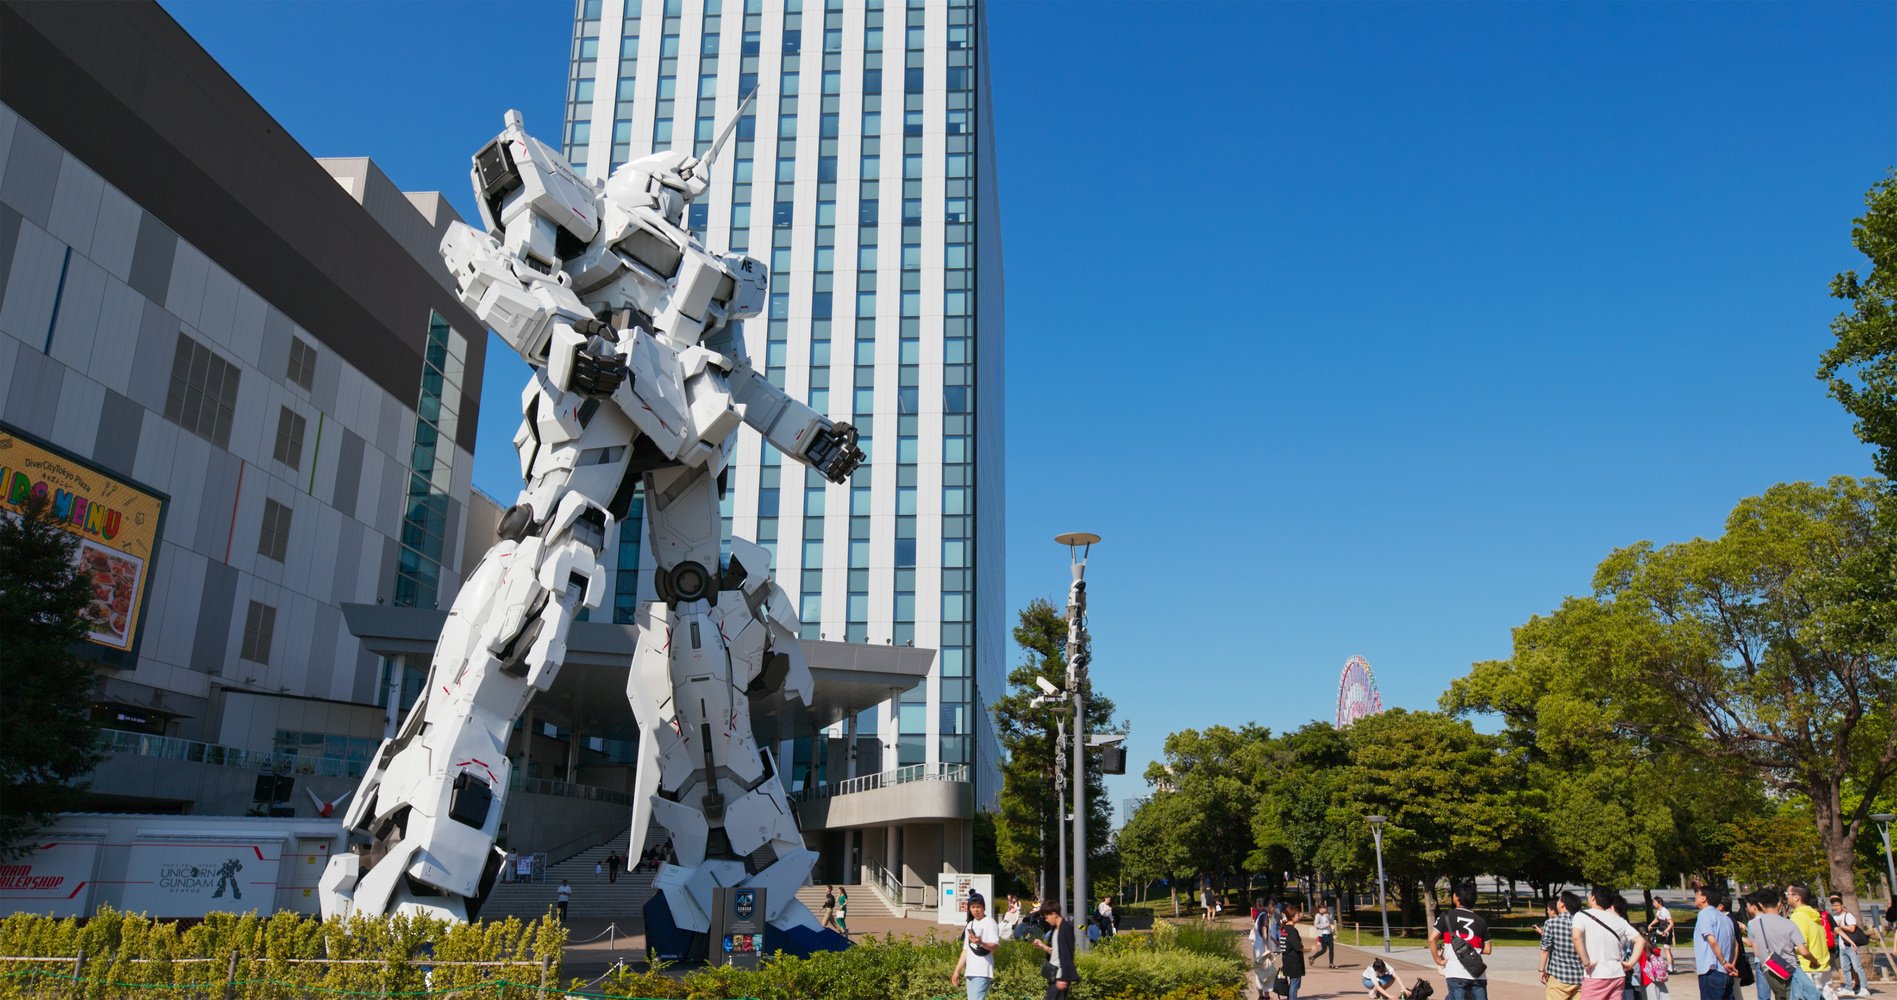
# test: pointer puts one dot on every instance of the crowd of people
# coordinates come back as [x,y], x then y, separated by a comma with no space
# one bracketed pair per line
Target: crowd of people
[1783,945]
[1790,945]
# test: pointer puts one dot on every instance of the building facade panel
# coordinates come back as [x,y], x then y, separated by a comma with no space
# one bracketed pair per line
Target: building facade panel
[191,304]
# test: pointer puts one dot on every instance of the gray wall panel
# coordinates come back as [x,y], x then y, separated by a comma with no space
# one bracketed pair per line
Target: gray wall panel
[154,352]
[348,473]
[9,235]
[120,421]
[349,544]
[33,396]
[217,502]
[214,618]
[274,358]
[152,257]
[322,667]
[32,173]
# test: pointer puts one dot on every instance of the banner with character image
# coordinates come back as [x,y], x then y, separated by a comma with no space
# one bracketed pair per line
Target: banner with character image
[117,524]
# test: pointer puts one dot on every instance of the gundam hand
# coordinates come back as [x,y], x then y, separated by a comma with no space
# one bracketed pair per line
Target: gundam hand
[833,452]
[597,368]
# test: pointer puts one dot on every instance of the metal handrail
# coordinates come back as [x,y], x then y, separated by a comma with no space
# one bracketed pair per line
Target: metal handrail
[884,779]
[277,761]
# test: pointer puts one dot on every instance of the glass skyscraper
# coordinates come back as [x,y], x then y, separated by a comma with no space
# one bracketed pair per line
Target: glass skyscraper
[862,173]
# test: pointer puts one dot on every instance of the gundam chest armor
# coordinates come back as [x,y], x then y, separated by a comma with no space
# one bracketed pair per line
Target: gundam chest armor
[640,377]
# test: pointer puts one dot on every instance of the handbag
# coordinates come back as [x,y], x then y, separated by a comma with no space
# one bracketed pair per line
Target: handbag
[1858,935]
[1744,964]
[1050,971]
[1281,986]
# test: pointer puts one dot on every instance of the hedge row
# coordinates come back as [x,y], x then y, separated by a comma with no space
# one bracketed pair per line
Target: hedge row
[127,953]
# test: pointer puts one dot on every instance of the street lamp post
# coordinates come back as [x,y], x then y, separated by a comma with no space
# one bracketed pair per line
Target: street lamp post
[1890,869]
[1079,546]
[1383,906]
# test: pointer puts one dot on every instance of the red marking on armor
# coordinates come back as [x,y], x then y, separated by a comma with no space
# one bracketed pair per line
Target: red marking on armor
[444,690]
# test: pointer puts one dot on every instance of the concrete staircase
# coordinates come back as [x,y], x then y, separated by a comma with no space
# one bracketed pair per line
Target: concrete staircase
[865,902]
[606,902]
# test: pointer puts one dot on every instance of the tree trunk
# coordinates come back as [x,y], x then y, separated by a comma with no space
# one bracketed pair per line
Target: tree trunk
[1836,833]
[1429,904]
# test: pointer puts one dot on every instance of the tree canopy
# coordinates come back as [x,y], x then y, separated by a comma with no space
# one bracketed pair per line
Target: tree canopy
[47,737]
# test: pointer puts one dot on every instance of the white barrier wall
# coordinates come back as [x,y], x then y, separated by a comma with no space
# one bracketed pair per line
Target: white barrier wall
[171,866]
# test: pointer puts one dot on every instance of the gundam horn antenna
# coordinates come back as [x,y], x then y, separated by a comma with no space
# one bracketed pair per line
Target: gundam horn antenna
[712,157]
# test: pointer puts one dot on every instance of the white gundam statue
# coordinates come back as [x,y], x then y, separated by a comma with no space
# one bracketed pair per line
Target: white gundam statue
[640,376]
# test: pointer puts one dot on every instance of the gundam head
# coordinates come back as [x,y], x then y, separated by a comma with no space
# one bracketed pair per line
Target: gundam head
[667,181]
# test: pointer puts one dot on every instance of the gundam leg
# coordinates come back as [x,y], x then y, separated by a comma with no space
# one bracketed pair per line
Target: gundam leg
[422,824]
[717,640]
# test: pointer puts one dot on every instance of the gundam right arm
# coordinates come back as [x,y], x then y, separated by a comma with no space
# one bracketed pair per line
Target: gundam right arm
[792,426]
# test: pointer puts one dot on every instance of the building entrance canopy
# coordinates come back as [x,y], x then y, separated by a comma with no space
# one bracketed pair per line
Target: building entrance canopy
[849,677]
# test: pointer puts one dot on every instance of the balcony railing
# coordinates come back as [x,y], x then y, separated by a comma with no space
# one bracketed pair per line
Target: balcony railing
[885,779]
[278,762]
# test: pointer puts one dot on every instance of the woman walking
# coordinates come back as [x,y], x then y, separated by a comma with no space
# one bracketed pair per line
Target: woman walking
[830,909]
[1326,929]
[843,910]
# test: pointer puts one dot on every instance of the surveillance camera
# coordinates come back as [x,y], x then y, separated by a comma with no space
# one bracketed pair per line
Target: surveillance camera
[1046,685]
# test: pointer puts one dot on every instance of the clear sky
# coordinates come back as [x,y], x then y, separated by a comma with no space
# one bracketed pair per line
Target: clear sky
[1355,329]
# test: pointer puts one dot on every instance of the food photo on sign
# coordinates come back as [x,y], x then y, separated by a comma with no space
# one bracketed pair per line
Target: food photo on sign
[117,522]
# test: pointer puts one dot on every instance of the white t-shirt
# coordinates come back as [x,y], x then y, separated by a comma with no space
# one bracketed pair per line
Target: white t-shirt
[1845,920]
[1322,923]
[565,893]
[1603,942]
[981,966]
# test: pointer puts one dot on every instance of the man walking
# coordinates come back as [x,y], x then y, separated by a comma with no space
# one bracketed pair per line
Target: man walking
[1715,946]
[1851,981]
[1599,933]
[1060,952]
[979,940]
[1561,971]
[1814,963]
[1457,942]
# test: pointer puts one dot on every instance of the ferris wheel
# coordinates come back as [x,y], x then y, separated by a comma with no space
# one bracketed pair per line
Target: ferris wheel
[1357,695]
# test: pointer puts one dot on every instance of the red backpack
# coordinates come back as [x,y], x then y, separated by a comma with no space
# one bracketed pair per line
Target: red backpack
[1831,929]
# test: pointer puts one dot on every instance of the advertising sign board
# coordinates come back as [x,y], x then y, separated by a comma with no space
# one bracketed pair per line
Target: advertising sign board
[189,878]
[955,888]
[57,880]
[117,523]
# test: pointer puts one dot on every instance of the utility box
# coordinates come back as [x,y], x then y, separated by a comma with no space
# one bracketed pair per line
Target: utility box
[954,888]
[737,926]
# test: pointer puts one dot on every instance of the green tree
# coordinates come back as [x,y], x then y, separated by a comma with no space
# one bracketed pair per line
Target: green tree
[1746,655]
[47,738]
[1449,793]
[1025,836]
[1772,847]
[1296,777]
[1207,782]
[1148,851]
[1860,370]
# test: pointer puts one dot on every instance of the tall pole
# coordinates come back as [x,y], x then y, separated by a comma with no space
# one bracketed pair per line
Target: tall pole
[1890,869]
[1383,905]
[1078,546]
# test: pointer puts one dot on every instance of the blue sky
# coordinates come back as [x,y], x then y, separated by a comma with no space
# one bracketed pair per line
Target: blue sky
[1355,329]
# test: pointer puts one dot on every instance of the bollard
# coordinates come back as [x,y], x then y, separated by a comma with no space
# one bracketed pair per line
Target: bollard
[79,970]
[230,976]
[546,969]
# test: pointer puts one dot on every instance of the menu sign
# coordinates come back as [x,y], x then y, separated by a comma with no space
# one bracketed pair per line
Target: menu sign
[117,524]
